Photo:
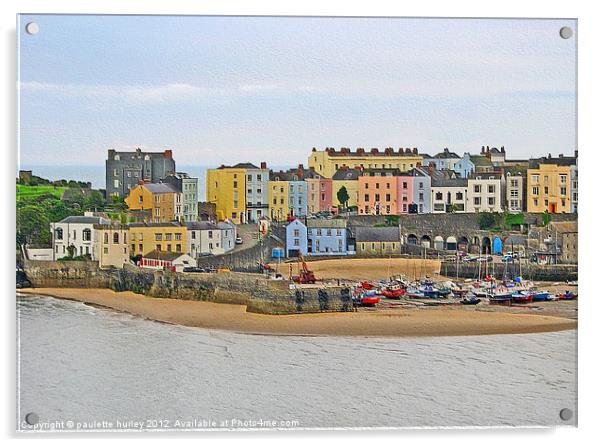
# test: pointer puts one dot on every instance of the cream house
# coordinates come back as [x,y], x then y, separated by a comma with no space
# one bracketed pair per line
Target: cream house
[485,193]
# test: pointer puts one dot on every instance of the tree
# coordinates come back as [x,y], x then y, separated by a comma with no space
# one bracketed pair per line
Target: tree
[94,201]
[32,225]
[343,196]
[119,203]
[486,220]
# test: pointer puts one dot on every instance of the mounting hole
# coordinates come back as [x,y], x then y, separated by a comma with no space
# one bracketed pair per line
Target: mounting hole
[566,32]
[32,418]
[566,414]
[32,28]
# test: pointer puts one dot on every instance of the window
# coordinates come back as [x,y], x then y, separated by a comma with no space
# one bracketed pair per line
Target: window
[535,178]
[388,185]
[546,190]
[477,201]
[366,197]
[157,247]
[545,179]
[116,183]
[477,188]
[491,201]
[563,190]
[235,184]
[388,198]
[158,237]
[439,196]
[115,238]
[459,196]
[168,247]
[536,190]
[179,248]
[421,196]
[514,183]
[87,234]
[535,202]
[491,189]
[178,236]
[58,233]
[168,237]
[296,242]
[105,250]
[513,193]
[140,247]
[405,185]
[378,186]
[377,197]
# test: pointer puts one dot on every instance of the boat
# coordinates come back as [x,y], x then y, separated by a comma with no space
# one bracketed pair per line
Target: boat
[370,300]
[459,292]
[567,296]
[393,293]
[542,295]
[366,285]
[470,300]
[522,297]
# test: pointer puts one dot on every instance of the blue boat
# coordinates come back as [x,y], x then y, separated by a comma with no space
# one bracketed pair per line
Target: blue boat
[541,296]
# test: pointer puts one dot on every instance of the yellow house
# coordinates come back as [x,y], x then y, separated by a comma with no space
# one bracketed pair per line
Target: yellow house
[349,179]
[111,245]
[146,237]
[548,189]
[226,189]
[278,200]
[158,198]
[329,161]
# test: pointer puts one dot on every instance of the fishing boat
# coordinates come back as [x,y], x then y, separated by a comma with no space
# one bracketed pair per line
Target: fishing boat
[366,285]
[567,296]
[521,297]
[393,293]
[542,295]
[369,300]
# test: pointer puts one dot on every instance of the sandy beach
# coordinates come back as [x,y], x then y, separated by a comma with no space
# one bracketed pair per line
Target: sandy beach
[463,320]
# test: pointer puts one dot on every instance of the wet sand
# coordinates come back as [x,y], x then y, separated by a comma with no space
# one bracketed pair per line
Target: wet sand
[462,320]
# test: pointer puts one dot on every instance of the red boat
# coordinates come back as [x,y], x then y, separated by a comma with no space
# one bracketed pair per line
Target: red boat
[370,300]
[395,293]
[366,285]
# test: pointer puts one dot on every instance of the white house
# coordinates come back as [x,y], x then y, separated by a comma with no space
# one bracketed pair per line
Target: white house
[448,192]
[228,235]
[76,232]
[206,238]
[485,193]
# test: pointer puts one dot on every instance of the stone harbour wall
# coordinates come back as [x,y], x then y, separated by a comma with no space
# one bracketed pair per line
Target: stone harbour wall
[532,272]
[258,292]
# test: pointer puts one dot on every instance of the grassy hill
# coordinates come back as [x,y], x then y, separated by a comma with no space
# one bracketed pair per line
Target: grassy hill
[31,192]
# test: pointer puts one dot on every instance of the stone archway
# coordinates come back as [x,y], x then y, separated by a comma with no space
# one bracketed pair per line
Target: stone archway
[486,245]
[412,239]
[463,244]
[438,244]
[451,243]
[425,241]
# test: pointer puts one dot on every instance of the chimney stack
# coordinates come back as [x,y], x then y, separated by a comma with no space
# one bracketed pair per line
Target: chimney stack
[264,165]
[166,154]
[482,150]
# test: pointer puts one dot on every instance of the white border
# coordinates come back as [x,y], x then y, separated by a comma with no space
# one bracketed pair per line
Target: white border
[590,159]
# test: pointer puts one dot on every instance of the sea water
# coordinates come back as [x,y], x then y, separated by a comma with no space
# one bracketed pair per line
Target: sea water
[87,368]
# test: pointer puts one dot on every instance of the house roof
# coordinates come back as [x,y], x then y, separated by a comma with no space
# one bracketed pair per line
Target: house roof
[326,223]
[201,226]
[446,154]
[480,160]
[564,227]
[346,174]
[382,172]
[225,225]
[245,166]
[160,188]
[163,255]
[485,176]
[85,220]
[417,172]
[447,178]
[155,224]
[377,234]
[549,160]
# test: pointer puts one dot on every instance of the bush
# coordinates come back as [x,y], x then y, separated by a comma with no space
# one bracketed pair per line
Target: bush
[486,221]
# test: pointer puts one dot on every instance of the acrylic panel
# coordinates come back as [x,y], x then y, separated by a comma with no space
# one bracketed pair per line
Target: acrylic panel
[233,223]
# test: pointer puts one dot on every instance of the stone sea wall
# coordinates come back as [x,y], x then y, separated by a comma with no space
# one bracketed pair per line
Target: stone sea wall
[258,292]
[532,272]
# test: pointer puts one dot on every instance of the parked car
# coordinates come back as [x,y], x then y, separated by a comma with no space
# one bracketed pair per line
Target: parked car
[469,258]
[238,240]
[194,270]
[507,258]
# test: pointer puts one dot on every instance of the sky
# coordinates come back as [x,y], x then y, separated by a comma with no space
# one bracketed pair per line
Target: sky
[229,89]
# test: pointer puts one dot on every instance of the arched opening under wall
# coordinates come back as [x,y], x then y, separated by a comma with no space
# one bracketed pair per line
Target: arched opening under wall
[463,243]
[451,243]
[412,239]
[475,245]
[438,243]
[497,246]
[425,241]
[486,246]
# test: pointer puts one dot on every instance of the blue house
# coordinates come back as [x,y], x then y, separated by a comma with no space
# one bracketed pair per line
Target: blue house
[464,166]
[297,197]
[296,239]
[327,237]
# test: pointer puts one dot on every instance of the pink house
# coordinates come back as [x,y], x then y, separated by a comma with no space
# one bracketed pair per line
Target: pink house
[405,193]
[319,193]
[326,194]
